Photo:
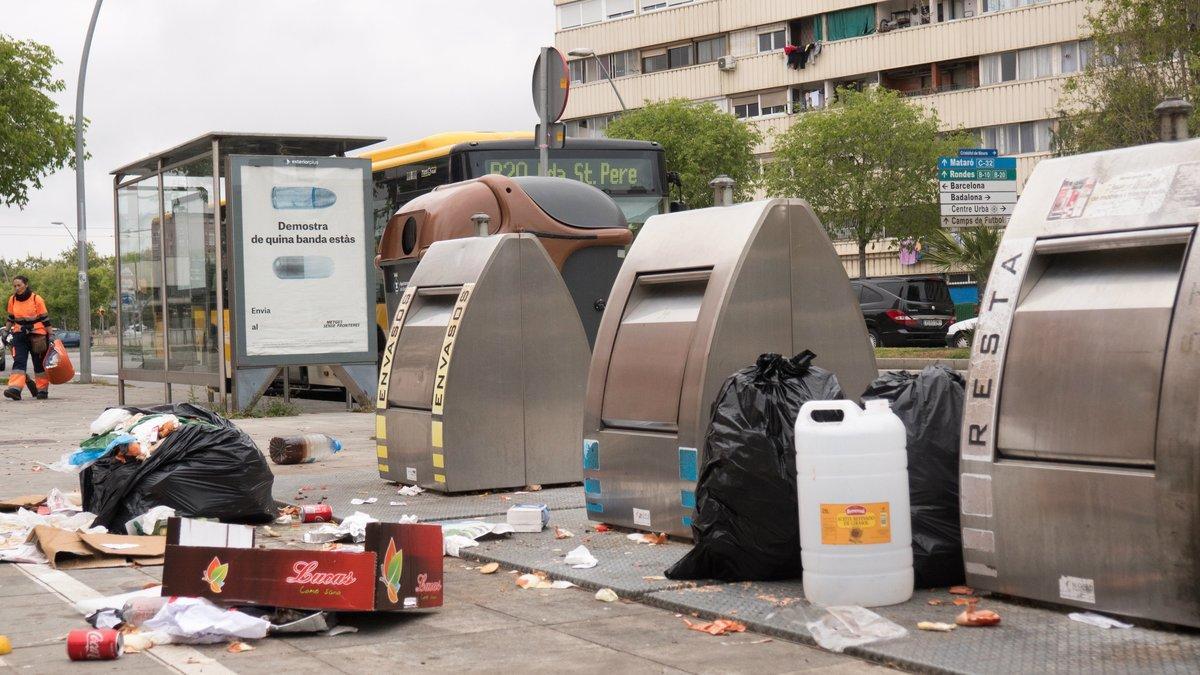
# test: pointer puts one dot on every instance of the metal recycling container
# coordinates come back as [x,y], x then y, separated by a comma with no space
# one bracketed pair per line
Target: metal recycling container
[483,376]
[702,294]
[1081,436]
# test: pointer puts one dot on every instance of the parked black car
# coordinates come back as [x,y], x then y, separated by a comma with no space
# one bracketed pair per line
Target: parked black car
[903,311]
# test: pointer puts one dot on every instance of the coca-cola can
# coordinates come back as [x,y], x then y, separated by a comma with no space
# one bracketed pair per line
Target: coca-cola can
[316,513]
[94,644]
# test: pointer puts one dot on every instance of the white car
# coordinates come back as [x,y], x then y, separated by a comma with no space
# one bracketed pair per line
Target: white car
[960,334]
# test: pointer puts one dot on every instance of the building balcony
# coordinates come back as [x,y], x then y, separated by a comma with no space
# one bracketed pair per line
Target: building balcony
[989,33]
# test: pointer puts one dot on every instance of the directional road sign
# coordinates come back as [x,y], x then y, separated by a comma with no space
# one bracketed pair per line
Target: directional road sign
[976,188]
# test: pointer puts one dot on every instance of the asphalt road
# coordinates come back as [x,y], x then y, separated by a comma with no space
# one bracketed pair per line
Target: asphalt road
[103,363]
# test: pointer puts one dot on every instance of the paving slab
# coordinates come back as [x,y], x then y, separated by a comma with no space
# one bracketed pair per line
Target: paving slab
[1030,639]
[361,483]
[629,568]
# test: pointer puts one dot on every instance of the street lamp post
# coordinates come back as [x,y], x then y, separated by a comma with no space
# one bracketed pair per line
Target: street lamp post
[585,52]
[85,300]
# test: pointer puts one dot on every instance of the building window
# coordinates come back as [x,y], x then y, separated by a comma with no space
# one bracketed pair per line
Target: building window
[651,5]
[580,13]
[1021,138]
[578,70]
[1069,57]
[654,60]
[773,103]
[678,57]
[711,49]
[593,11]
[771,41]
[621,64]
[745,107]
[615,9]
[1008,66]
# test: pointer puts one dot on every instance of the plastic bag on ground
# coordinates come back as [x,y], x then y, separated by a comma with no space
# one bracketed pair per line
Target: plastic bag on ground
[108,420]
[746,525]
[850,626]
[931,406]
[205,469]
[151,522]
[198,621]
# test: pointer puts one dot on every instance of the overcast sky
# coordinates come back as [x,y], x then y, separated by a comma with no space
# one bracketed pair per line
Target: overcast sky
[162,72]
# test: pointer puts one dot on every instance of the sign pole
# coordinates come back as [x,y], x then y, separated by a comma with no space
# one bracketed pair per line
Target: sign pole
[543,75]
[551,81]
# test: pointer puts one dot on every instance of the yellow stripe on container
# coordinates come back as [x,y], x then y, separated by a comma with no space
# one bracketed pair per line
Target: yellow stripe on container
[381,451]
[435,434]
[380,428]
[439,460]
[439,478]
[383,468]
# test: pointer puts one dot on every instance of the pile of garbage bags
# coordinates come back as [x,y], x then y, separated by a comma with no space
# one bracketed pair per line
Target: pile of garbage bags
[180,456]
[746,526]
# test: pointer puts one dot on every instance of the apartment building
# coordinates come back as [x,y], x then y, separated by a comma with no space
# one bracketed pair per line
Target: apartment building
[994,67]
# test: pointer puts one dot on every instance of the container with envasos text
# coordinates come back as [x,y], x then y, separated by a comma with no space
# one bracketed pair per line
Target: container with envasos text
[852,485]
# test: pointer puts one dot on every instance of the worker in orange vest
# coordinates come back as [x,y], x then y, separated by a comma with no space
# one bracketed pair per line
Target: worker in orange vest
[29,334]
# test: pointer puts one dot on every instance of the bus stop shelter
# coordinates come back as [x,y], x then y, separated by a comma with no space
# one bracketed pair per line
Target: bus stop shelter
[172,259]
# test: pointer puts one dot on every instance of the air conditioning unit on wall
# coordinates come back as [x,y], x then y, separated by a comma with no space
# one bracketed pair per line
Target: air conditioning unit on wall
[727,63]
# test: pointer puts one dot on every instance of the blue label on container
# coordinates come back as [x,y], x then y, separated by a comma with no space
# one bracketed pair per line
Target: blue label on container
[591,486]
[687,498]
[591,454]
[687,521]
[595,507]
[687,464]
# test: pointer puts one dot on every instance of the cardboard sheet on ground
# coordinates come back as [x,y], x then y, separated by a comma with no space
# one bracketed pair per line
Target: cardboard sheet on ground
[23,502]
[74,550]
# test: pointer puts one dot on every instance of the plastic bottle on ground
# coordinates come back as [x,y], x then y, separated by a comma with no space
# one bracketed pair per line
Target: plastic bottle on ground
[303,449]
[852,488]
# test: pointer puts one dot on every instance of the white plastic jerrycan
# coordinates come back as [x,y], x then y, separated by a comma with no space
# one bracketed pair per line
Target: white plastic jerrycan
[852,484]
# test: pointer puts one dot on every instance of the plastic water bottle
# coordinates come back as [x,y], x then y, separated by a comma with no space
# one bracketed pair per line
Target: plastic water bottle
[303,449]
[852,485]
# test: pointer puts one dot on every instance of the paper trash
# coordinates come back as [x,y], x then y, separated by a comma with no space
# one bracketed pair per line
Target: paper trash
[1098,620]
[465,533]
[580,558]
[410,490]
[198,621]
[852,626]
[150,522]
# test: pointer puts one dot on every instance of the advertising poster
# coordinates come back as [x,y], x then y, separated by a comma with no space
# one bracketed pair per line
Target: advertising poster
[302,240]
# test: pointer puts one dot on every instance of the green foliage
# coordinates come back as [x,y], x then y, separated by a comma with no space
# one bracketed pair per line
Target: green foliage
[867,165]
[35,140]
[269,407]
[973,249]
[57,281]
[1146,51]
[700,143]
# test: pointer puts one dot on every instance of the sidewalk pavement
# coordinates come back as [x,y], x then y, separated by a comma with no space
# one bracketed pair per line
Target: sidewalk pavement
[487,623]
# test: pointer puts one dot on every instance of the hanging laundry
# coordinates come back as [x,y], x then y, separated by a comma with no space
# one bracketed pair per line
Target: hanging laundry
[794,56]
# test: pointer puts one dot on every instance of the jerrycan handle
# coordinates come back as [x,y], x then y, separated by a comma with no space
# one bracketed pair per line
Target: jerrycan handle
[848,408]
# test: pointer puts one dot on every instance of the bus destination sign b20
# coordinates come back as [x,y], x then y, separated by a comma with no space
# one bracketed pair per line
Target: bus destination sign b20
[613,174]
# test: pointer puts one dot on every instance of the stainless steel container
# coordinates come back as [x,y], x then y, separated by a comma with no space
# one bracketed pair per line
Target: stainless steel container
[484,371]
[701,295]
[1081,438]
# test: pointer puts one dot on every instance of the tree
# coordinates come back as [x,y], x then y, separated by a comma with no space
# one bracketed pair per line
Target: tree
[57,281]
[867,165]
[35,140]
[973,249]
[699,141]
[1145,51]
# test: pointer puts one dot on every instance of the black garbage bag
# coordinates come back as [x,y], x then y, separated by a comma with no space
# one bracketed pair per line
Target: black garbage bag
[931,406]
[746,526]
[206,470]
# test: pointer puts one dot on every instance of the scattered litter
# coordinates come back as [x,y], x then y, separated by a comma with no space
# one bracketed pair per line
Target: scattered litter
[540,581]
[410,490]
[109,420]
[5,645]
[465,533]
[962,590]
[648,538]
[340,630]
[489,568]
[16,532]
[238,647]
[353,528]
[529,580]
[90,605]
[139,610]
[105,618]
[285,519]
[654,577]
[266,530]
[528,517]
[580,558]
[936,626]
[560,533]
[936,602]
[368,500]
[304,449]
[343,548]
[534,488]
[977,617]
[852,626]
[1098,620]
[718,627]
[961,602]
[152,522]
[601,527]
[397,503]
[198,621]
[759,642]
[606,595]
[140,641]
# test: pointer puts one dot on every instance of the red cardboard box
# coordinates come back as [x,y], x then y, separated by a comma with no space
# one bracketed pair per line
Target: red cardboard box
[400,568]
